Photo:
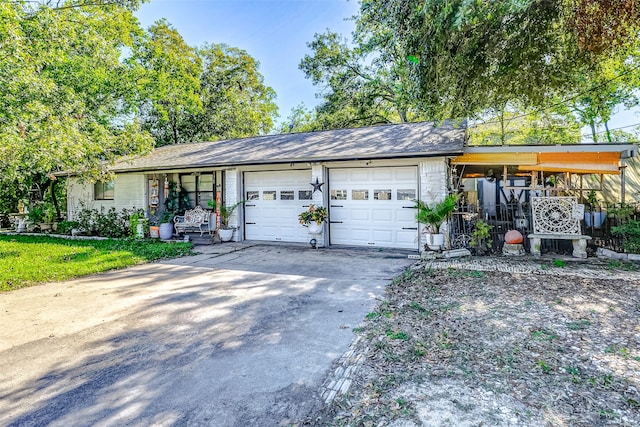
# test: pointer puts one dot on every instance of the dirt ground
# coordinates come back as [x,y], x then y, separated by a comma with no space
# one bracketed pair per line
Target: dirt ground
[554,343]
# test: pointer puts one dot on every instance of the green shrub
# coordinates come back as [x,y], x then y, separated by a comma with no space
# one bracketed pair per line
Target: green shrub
[106,224]
[65,227]
[630,234]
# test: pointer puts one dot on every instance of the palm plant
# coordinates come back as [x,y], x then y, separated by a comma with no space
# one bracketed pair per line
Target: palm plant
[433,217]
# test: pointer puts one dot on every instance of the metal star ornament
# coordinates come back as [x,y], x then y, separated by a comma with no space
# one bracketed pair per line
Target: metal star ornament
[317,186]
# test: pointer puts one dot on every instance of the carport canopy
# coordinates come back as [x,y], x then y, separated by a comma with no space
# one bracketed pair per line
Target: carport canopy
[576,158]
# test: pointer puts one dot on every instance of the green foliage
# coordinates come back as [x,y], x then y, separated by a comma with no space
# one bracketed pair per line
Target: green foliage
[31,260]
[559,263]
[138,217]
[592,199]
[67,96]
[36,213]
[366,84]
[171,84]
[630,233]
[65,227]
[434,216]
[177,202]
[317,214]
[481,237]
[236,102]
[225,212]
[108,223]
[472,56]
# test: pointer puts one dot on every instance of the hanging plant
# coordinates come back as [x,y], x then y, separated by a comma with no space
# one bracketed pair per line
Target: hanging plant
[317,214]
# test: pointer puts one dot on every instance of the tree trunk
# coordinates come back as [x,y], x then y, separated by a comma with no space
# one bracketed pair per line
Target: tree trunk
[54,199]
[502,139]
[606,127]
[593,130]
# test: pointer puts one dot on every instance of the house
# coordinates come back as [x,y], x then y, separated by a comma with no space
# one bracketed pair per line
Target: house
[369,178]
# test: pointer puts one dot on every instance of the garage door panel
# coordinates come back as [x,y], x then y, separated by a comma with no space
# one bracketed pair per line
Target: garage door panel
[383,215]
[406,215]
[277,197]
[376,206]
[408,237]
[404,175]
[382,175]
[360,214]
[382,236]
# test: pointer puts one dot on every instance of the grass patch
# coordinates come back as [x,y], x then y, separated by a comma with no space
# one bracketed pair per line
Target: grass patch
[30,260]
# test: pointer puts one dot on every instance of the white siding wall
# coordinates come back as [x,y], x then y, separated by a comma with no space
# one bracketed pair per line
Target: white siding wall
[232,196]
[129,192]
[611,184]
[320,198]
[433,180]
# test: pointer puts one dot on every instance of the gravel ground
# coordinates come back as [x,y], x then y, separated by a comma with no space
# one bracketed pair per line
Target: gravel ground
[499,342]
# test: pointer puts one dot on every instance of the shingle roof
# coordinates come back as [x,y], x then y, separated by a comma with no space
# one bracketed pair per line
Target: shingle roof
[375,142]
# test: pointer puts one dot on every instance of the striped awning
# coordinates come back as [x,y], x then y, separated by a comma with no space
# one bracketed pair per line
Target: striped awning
[574,162]
[582,163]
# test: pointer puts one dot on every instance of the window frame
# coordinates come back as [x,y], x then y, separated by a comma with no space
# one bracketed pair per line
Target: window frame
[100,189]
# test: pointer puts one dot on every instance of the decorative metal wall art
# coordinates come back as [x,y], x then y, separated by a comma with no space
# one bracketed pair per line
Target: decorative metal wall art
[556,215]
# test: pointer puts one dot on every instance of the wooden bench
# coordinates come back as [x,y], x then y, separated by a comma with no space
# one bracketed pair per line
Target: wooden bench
[579,242]
[193,219]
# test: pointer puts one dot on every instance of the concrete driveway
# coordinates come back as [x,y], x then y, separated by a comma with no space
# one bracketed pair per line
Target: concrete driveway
[241,335]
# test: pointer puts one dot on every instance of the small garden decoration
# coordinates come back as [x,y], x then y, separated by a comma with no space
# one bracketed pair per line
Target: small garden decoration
[315,214]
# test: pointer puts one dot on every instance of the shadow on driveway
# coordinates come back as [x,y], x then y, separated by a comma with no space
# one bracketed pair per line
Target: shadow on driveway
[243,338]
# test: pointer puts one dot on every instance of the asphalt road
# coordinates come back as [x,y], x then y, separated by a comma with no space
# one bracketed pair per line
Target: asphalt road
[241,335]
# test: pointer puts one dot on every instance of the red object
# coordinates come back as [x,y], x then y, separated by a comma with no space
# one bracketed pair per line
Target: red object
[513,236]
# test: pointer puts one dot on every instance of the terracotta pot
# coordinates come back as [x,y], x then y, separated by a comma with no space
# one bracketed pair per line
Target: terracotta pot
[154,232]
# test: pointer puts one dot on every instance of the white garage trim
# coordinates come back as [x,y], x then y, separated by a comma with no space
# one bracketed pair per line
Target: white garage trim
[273,201]
[373,206]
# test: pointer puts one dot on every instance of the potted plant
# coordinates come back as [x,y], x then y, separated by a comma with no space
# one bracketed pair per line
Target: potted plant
[36,215]
[225,232]
[137,222]
[593,214]
[481,237]
[313,218]
[166,225]
[433,217]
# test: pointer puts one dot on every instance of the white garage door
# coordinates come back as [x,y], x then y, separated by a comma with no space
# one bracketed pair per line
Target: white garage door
[274,200]
[374,207]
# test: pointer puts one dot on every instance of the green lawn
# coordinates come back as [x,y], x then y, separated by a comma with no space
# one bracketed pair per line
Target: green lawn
[30,260]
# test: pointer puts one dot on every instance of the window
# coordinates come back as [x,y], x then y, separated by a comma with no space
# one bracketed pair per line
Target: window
[199,188]
[406,194]
[253,195]
[382,194]
[305,194]
[359,194]
[338,194]
[269,195]
[103,190]
[286,195]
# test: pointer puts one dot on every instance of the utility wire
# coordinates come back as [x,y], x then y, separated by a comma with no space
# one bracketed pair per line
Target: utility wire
[605,131]
[557,104]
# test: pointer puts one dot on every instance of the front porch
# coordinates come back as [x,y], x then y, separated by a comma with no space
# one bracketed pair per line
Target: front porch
[497,185]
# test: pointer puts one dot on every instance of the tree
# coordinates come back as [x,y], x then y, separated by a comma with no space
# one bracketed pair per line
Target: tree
[299,120]
[513,124]
[67,97]
[236,102]
[171,84]
[597,95]
[362,85]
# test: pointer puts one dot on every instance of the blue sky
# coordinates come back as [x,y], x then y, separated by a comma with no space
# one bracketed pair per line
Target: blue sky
[275,32]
